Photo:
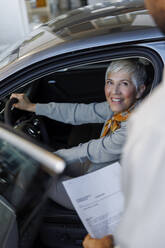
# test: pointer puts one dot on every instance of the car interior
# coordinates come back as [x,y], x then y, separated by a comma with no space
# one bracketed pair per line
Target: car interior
[78,84]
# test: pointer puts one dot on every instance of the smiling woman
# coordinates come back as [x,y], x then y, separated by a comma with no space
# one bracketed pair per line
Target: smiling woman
[125,84]
[123,89]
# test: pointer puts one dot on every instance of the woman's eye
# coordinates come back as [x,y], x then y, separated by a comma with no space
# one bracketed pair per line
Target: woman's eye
[125,83]
[109,82]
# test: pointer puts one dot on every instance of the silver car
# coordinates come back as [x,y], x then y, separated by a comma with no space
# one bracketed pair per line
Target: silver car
[65,61]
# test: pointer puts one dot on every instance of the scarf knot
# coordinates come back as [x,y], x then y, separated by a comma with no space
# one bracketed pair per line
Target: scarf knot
[114,123]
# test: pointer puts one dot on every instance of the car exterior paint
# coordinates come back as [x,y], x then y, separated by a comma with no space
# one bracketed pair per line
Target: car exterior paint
[128,23]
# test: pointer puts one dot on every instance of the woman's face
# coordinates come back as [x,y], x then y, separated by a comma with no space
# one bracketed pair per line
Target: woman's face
[120,91]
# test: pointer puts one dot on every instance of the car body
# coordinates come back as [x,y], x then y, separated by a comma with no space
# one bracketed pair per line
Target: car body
[65,61]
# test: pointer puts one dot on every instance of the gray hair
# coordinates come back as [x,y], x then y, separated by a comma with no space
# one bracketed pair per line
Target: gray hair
[132,66]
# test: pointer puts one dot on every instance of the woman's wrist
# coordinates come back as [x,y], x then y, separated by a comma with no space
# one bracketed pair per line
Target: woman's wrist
[32,107]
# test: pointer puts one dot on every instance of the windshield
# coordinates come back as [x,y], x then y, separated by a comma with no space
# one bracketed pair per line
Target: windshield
[8,56]
[101,18]
[88,13]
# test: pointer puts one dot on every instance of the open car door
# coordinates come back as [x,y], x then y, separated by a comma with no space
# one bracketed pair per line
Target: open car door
[26,170]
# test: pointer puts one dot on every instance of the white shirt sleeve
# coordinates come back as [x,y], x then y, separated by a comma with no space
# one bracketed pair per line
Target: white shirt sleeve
[143,221]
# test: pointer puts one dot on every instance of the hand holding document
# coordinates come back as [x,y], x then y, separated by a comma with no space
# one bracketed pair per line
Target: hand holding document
[98,199]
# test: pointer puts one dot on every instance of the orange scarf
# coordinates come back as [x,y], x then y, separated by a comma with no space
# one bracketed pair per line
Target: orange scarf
[114,123]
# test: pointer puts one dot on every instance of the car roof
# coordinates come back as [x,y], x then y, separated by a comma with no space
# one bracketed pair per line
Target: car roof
[112,22]
[93,12]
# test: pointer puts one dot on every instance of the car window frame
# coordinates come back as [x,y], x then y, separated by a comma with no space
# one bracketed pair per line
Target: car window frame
[70,60]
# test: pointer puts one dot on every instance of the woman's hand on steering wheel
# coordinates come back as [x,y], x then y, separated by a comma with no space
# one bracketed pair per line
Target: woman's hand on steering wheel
[37,130]
[23,102]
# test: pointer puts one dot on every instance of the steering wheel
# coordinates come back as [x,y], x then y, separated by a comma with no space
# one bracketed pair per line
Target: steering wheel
[8,111]
[32,126]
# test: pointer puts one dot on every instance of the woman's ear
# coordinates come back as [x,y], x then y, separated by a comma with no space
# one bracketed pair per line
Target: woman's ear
[140,91]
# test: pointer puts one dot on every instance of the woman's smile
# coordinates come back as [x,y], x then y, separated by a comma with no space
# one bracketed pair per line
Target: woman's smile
[116,99]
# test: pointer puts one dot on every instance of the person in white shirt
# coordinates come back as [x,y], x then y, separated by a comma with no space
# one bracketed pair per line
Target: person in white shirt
[143,221]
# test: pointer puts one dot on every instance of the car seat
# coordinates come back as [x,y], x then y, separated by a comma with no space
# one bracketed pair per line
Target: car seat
[61,227]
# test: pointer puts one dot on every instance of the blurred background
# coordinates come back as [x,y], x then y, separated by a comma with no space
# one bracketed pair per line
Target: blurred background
[44,10]
[18,18]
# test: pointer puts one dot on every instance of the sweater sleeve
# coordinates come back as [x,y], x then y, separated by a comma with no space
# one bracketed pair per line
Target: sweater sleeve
[73,113]
[102,150]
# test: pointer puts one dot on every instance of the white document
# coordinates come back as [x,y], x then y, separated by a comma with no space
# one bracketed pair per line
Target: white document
[98,199]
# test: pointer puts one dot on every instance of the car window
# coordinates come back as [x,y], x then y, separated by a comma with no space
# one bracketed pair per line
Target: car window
[76,84]
[83,83]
